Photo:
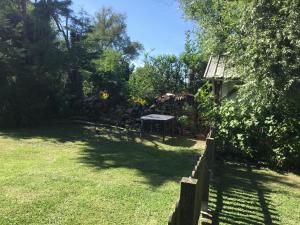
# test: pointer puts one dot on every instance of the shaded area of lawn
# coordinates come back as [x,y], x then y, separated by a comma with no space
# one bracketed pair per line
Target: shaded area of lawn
[243,194]
[114,148]
[74,174]
[157,162]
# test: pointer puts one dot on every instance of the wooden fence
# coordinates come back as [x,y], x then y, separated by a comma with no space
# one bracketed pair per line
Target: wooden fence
[194,190]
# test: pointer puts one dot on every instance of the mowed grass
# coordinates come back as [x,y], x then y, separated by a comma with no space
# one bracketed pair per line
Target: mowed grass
[243,194]
[73,174]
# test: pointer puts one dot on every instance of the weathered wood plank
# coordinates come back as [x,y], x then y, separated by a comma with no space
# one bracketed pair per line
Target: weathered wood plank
[194,193]
[187,201]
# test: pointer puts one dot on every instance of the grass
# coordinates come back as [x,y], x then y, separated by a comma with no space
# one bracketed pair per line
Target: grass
[243,194]
[72,174]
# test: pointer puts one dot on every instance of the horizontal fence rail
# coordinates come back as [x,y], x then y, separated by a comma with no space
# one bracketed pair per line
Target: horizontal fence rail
[194,190]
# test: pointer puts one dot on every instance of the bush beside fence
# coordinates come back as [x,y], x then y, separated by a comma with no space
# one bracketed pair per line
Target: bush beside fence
[194,190]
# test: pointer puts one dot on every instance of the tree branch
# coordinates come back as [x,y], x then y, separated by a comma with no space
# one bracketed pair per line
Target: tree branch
[60,29]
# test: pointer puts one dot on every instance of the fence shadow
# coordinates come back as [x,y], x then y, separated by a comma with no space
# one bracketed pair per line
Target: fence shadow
[105,148]
[238,196]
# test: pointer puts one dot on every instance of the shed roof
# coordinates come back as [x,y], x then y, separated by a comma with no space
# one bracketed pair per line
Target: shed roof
[216,69]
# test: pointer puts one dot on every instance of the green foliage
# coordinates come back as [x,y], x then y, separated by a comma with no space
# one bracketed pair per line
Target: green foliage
[112,73]
[159,75]
[112,52]
[141,83]
[194,64]
[51,57]
[110,32]
[184,121]
[31,65]
[261,39]
[169,74]
[205,104]
[259,126]
[219,22]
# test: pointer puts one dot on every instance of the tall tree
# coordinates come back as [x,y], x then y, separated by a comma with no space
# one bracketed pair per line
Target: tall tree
[195,63]
[30,62]
[110,32]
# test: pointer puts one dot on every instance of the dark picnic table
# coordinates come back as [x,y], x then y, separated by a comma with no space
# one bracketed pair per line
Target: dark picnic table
[164,119]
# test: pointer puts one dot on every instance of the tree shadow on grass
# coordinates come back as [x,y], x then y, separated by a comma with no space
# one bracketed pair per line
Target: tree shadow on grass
[117,148]
[181,141]
[239,196]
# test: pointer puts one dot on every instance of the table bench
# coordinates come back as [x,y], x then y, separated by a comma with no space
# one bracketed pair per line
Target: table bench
[164,119]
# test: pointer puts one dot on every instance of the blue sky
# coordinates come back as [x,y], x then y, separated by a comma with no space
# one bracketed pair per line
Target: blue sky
[157,24]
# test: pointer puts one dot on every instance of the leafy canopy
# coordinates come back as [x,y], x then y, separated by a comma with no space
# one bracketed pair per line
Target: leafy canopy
[261,38]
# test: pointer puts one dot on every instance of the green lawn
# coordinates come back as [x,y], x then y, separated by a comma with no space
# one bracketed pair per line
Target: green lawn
[243,194]
[72,174]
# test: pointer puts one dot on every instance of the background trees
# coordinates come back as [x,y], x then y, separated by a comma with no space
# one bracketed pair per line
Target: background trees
[159,75]
[194,62]
[30,61]
[54,60]
[163,74]
[50,57]
[113,52]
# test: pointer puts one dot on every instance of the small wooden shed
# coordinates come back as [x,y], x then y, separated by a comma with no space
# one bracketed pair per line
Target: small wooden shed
[222,77]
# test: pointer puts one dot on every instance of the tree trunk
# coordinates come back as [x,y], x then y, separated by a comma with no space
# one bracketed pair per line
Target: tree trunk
[23,6]
[23,10]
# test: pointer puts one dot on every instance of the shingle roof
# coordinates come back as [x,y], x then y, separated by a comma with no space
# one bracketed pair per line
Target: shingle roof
[216,69]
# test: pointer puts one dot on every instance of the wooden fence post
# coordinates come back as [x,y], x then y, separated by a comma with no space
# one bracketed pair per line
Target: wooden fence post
[210,148]
[194,192]
[205,193]
[187,201]
[210,145]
